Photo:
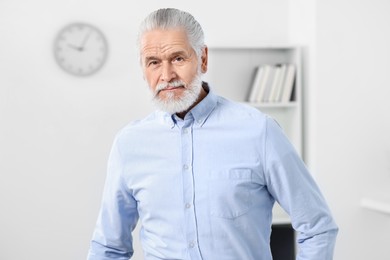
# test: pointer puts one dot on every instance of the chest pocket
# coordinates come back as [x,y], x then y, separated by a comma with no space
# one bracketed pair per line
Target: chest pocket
[230,193]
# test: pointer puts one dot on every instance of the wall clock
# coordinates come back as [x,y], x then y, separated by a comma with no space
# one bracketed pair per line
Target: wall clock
[80,49]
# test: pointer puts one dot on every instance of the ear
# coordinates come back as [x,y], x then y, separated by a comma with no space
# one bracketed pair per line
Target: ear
[204,59]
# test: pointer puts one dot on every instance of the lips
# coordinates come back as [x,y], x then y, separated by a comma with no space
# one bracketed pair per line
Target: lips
[171,88]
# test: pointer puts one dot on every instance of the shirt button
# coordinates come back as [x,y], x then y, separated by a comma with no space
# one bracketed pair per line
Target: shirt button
[185,130]
[191,244]
[185,167]
[188,205]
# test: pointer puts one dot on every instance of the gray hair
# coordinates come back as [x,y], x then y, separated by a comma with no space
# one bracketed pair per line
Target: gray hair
[170,18]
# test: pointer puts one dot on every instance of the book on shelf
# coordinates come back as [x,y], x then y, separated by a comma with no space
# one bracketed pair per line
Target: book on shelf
[272,83]
[255,89]
[258,83]
[268,70]
[278,90]
[273,71]
[277,83]
[288,84]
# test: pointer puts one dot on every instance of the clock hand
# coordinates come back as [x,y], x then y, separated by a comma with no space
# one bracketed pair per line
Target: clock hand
[74,47]
[81,48]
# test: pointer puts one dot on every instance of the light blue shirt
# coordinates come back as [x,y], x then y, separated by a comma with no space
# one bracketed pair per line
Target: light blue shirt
[204,188]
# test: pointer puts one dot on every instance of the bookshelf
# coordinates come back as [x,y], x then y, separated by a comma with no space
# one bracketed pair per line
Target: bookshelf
[231,72]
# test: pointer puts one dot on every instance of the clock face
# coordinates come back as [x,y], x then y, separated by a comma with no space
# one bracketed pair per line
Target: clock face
[80,49]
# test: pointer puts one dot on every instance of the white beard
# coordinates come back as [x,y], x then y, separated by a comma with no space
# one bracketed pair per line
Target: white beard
[172,104]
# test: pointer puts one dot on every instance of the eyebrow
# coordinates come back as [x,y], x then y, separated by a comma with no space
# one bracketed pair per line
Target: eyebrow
[173,54]
[178,53]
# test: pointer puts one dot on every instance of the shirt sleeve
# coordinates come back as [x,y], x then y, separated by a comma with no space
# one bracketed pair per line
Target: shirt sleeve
[293,187]
[112,238]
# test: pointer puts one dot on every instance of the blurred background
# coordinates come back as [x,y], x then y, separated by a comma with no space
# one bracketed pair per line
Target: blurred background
[56,129]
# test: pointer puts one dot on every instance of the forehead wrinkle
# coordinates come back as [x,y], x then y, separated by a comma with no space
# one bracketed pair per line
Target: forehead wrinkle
[165,49]
[163,44]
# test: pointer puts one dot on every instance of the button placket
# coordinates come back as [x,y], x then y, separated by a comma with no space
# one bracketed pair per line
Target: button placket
[188,187]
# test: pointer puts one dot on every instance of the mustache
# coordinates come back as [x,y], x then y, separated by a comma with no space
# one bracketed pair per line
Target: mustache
[165,85]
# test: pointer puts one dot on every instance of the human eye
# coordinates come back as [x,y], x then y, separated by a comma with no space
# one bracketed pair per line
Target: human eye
[152,63]
[178,59]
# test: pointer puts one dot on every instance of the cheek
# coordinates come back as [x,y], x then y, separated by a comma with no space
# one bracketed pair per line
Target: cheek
[151,80]
[187,74]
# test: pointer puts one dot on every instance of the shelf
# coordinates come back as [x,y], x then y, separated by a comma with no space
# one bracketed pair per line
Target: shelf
[280,217]
[381,205]
[281,221]
[231,70]
[273,105]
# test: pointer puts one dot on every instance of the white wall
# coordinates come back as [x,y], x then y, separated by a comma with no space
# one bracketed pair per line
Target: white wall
[56,130]
[353,124]
[347,123]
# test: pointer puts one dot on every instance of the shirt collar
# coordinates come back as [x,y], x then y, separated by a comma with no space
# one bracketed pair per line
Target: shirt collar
[200,112]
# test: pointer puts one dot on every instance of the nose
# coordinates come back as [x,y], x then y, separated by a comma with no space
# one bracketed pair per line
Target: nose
[168,72]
